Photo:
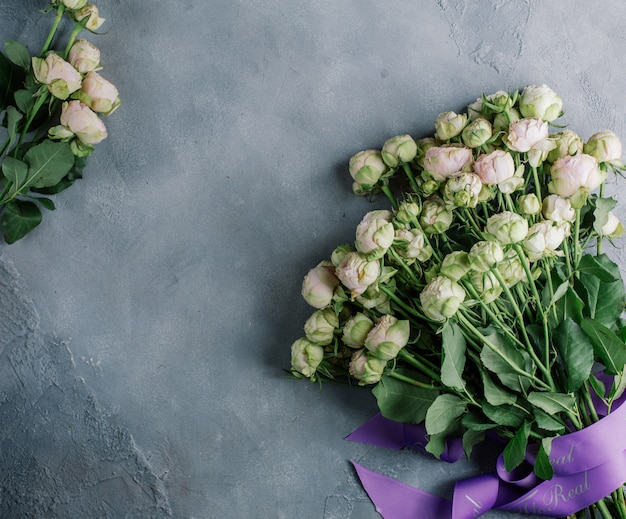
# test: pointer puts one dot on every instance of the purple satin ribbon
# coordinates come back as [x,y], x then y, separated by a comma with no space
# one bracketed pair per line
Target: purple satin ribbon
[588,465]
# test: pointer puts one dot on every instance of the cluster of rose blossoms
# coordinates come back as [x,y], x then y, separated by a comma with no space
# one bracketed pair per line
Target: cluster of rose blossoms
[494,201]
[75,80]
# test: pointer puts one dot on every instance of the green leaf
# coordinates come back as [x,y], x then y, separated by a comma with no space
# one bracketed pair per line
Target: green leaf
[24,100]
[494,394]
[599,266]
[10,80]
[19,218]
[46,203]
[604,301]
[17,53]
[436,444]
[48,163]
[575,352]
[476,423]
[515,450]
[551,402]
[504,361]
[13,119]
[471,438]
[444,412]
[570,306]
[546,422]
[543,468]
[403,402]
[598,386]
[14,170]
[608,347]
[453,356]
[508,416]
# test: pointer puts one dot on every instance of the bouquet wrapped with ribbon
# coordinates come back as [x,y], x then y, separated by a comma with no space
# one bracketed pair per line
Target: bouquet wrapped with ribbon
[481,307]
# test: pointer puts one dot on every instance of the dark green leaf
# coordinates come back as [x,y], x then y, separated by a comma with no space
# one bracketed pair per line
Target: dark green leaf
[443,412]
[48,163]
[504,360]
[17,53]
[13,119]
[436,444]
[10,80]
[46,203]
[453,356]
[551,402]
[19,218]
[15,171]
[599,266]
[598,386]
[604,301]
[546,422]
[24,100]
[470,439]
[476,423]
[515,450]
[575,352]
[608,347]
[543,468]
[403,402]
[570,306]
[508,416]
[494,394]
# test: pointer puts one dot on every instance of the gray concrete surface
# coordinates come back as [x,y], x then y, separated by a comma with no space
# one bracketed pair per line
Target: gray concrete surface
[146,322]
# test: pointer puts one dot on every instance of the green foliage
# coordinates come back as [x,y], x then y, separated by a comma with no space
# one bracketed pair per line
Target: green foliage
[403,402]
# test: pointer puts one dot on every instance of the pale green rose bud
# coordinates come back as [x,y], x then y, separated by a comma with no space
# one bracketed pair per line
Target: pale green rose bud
[566,143]
[306,357]
[429,187]
[412,244]
[513,183]
[59,76]
[356,329]
[83,123]
[337,256]
[575,177]
[442,162]
[494,168]
[449,125]
[455,265]
[423,145]
[477,133]
[502,120]
[375,233]
[558,209]
[612,228]
[366,368]
[435,217]
[462,190]
[485,254]
[361,190]
[366,168]
[374,299]
[357,273]
[487,285]
[320,327]
[604,147]
[99,94]
[60,133]
[511,269]
[84,56]
[94,21]
[538,154]
[507,227]
[319,285]
[522,135]
[401,148]
[544,238]
[441,298]
[407,212]
[388,337]
[540,101]
[475,109]
[500,101]
[529,204]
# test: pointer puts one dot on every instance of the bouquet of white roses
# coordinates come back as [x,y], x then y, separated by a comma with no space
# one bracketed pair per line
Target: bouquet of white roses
[481,304]
[49,106]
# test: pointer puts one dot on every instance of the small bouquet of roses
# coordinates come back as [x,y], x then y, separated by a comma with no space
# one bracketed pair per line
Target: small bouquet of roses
[49,106]
[481,306]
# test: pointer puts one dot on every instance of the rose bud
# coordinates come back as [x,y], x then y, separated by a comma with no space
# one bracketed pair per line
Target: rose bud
[511,269]
[455,265]
[442,162]
[485,254]
[486,284]
[357,273]
[411,244]
[544,238]
[366,368]
[441,298]
[93,22]
[356,329]
[435,217]
[525,133]
[502,120]
[407,212]
[574,177]
[84,56]
[337,256]
[507,227]
[320,327]
[477,133]
[306,357]
[82,122]
[366,168]
[540,101]
[61,78]
[611,228]
[401,148]
[462,190]
[71,4]
[388,337]
[604,147]
[566,143]
[558,209]
[529,204]
[374,234]
[319,285]
[99,94]
[495,167]
[449,125]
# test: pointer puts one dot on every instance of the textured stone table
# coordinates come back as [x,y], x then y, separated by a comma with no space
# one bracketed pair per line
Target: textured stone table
[146,322]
